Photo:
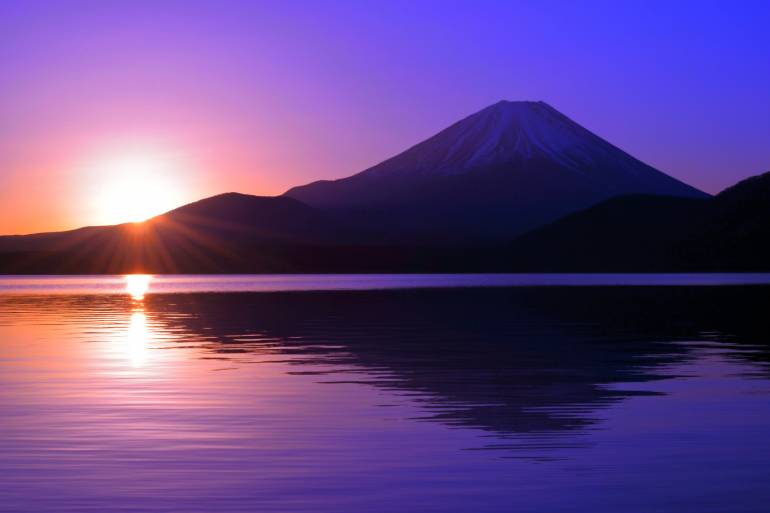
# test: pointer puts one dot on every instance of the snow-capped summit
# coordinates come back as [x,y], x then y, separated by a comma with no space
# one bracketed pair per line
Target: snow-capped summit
[504,132]
[507,131]
[509,166]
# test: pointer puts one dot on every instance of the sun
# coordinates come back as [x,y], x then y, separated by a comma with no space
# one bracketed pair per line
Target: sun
[137,285]
[135,186]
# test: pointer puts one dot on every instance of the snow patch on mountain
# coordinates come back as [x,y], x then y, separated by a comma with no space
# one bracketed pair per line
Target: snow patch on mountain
[506,132]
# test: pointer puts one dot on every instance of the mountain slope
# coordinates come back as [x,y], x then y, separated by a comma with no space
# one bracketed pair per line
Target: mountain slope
[499,172]
[229,233]
[243,216]
[629,233]
[259,217]
[730,232]
[224,233]
[736,234]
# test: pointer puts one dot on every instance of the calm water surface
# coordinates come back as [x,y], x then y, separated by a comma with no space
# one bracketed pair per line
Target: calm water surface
[494,394]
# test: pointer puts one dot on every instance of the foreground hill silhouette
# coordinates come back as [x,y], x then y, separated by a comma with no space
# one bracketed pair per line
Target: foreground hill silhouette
[730,232]
[226,233]
[441,207]
[504,170]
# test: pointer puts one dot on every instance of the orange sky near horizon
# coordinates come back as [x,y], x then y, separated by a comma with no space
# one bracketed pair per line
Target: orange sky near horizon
[107,181]
[69,156]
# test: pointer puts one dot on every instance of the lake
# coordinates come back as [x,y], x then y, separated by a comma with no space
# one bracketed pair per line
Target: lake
[362,393]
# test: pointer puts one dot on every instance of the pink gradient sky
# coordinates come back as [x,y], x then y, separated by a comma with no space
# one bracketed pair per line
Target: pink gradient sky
[258,97]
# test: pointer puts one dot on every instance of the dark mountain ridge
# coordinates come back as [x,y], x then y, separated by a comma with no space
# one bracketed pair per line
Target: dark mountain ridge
[729,232]
[215,234]
[238,233]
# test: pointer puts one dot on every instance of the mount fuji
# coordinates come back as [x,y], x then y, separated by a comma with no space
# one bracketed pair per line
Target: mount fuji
[500,172]
[516,186]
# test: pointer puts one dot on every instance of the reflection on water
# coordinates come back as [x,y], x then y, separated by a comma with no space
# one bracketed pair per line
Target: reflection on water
[524,399]
[137,285]
[137,337]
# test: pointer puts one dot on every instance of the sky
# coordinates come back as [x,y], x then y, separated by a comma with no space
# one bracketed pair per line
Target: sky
[112,111]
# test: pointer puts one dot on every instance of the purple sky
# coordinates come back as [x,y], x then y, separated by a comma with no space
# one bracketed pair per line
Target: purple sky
[259,96]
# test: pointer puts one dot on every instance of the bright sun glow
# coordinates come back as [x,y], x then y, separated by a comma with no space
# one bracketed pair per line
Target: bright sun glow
[135,186]
[137,285]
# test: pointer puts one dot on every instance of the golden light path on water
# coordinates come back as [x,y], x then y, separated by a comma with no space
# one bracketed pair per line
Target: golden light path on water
[138,334]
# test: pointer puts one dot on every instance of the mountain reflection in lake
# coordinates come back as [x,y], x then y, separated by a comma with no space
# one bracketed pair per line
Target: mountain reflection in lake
[520,399]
